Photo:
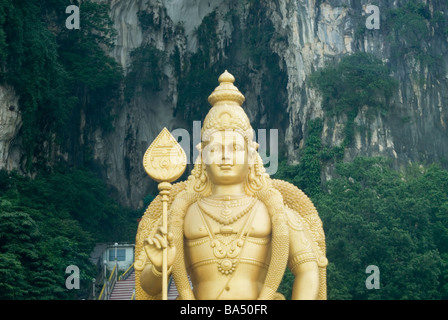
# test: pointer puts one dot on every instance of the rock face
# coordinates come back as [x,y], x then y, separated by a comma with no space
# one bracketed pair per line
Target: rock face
[272,48]
[305,35]
[10,124]
[119,154]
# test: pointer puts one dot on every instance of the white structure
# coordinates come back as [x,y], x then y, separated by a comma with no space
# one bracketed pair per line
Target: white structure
[122,252]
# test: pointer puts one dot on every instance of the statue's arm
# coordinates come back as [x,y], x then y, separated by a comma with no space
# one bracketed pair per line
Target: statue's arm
[302,260]
[306,282]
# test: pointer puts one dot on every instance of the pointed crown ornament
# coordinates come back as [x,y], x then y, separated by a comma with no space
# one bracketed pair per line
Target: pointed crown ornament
[226,93]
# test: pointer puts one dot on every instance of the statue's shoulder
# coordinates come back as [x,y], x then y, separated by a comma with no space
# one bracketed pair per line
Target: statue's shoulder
[294,220]
[297,201]
[261,206]
[192,210]
[301,212]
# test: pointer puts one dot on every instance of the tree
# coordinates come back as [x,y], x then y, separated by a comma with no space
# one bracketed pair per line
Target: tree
[49,223]
[373,215]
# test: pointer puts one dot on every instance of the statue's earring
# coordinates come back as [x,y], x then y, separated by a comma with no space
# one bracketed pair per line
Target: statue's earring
[252,151]
[199,161]
[201,175]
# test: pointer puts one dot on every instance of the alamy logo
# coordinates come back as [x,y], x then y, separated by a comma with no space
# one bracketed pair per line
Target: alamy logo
[72,21]
[373,21]
[72,281]
[373,281]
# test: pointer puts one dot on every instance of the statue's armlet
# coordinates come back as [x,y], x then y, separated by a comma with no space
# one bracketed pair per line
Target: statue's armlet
[300,247]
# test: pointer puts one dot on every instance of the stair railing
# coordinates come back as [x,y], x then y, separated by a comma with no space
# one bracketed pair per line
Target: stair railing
[133,294]
[109,285]
[127,273]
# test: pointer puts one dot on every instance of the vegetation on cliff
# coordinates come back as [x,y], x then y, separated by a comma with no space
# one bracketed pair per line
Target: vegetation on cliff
[374,215]
[55,71]
[53,221]
[358,80]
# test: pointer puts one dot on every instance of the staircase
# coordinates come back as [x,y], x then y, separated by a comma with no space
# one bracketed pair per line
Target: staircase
[172,290]
[124,289]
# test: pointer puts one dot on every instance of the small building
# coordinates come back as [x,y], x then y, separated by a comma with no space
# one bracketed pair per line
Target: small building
[108,252]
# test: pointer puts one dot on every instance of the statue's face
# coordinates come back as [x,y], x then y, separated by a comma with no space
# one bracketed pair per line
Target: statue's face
[226,157]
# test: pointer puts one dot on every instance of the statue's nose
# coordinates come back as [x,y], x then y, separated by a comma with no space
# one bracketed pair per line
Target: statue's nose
[226,154]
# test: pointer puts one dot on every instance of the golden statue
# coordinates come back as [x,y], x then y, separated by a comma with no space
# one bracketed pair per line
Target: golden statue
[229,231]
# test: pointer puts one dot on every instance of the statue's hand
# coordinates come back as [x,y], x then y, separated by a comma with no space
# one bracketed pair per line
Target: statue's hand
[154,248]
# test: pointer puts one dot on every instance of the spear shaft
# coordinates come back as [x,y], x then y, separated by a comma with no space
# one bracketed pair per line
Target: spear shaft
[164,189]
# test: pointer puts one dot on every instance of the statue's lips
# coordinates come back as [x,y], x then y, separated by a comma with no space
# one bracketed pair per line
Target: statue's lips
[225,167]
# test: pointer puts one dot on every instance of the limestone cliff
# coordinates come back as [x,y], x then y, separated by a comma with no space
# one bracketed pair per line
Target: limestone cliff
[10,124]
[173,52]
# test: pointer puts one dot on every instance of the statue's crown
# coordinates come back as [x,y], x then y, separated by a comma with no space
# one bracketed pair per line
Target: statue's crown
[226,112]
[226,92]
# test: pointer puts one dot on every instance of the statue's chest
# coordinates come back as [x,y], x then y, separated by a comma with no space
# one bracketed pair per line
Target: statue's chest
[204,220]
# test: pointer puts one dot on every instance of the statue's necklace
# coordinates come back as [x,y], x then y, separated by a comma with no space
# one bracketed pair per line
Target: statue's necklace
[228,252]
[225,217]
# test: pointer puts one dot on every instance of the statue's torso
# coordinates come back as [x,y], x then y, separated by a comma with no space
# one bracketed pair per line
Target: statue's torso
[243,233]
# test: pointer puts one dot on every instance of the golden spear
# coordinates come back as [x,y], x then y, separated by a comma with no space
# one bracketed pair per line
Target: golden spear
[165,161]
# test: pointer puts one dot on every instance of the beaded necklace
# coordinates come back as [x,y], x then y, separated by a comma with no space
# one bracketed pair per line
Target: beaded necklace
[225,217]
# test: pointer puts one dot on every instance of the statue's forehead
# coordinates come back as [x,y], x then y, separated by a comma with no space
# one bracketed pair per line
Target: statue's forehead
[225,136]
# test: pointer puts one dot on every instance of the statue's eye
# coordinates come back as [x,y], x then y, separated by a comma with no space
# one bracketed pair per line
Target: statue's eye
[215,148]
[238,147]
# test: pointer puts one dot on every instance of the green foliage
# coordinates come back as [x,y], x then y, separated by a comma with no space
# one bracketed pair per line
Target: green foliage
[198,77]
[374,215]
[94,77]
[253,42]
[55,70]
[30,64]
[248,56]
[146,71]
[258,35]
[307,174]
[410,29]
[3,44]
[49,223]
[357,80]
[207,37]
[81,195]
[146,20]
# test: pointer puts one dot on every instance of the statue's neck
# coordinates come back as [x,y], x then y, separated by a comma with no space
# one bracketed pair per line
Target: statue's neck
[233,190]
